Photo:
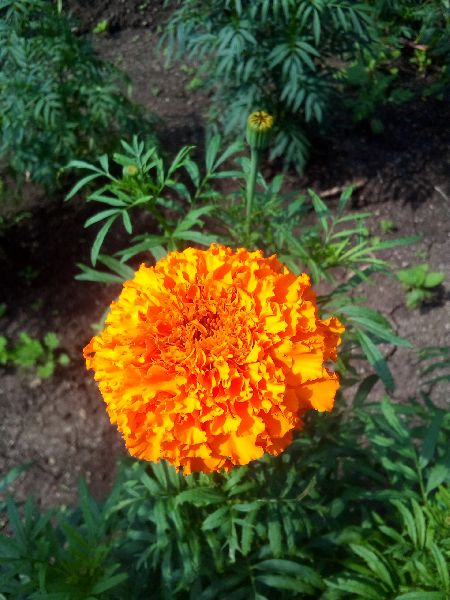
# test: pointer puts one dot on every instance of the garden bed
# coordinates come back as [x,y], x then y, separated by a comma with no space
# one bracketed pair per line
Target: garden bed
[60,424]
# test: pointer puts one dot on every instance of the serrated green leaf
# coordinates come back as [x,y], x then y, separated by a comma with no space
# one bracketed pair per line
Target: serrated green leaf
[274,534]
[377,360]
[434,279]
[388,410]
[364,389]
[321,210]
[212,149]
[289,567]
[420,595]
[374,563]
[12,475]
[205,239]
[215,519]
[408,521]
[421,526]
[405,241]
[99,239]
[104,214]
[16,524]
[127,221]
[284,582]
[89,274]
[362,589]
[430,439]
[442,566]
[108,583]
[200,496]
[123,270]
[77,187]
[438,474]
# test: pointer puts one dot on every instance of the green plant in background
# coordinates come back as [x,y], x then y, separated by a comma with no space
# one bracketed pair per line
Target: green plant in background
[406,561]
[424,26]
[280,56]
[101,27]
[421,60]
[372,82]
[409,34]
[420,284]
[387,226]
[57,98]
[33,354]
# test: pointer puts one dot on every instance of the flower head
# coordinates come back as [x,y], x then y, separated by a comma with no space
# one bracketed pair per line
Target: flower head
[211,358]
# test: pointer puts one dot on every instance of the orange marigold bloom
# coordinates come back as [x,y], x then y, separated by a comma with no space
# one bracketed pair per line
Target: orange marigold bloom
[211,358]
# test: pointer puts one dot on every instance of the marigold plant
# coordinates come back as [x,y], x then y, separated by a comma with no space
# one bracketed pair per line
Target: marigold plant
[212,357]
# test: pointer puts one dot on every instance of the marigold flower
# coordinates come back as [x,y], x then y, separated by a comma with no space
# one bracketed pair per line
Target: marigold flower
[211,358]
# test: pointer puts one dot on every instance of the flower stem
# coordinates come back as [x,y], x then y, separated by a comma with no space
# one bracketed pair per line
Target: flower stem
[251,184]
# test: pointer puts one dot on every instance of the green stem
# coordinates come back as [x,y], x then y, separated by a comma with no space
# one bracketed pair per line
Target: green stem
[161,220]
[251,184]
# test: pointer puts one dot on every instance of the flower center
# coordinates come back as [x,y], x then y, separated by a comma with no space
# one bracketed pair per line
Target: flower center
[204,326]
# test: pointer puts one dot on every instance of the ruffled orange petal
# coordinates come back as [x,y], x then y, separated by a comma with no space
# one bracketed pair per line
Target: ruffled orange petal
[211,358]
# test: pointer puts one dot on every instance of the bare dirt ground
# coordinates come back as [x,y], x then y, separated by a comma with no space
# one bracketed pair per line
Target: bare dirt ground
[60,424]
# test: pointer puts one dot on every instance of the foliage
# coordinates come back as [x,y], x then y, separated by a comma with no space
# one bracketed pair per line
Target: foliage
[426,25]
[331,517]
[412,38]
[336,243]
[146,184]
[31,353]
[420,284]
[57,98]
[411,558]
[356,507]
[434,364]
[101,26]
[372,82]
[280,56]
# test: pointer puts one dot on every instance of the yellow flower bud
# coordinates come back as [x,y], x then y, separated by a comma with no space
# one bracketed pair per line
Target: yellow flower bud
[259,129]
[130,171]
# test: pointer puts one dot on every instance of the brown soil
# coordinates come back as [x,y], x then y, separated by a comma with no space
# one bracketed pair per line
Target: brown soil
[60,423]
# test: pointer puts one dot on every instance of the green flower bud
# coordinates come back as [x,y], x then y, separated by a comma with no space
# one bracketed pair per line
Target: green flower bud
[259,129]
[130,171]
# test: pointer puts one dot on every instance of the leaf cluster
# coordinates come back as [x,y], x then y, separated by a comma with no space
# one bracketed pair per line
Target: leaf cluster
[276,55]
[57,98]
[185,206]
[175,197]
[67,560]
[423,23]
[357,506]
[420,284]
[31,353]
[411,43]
